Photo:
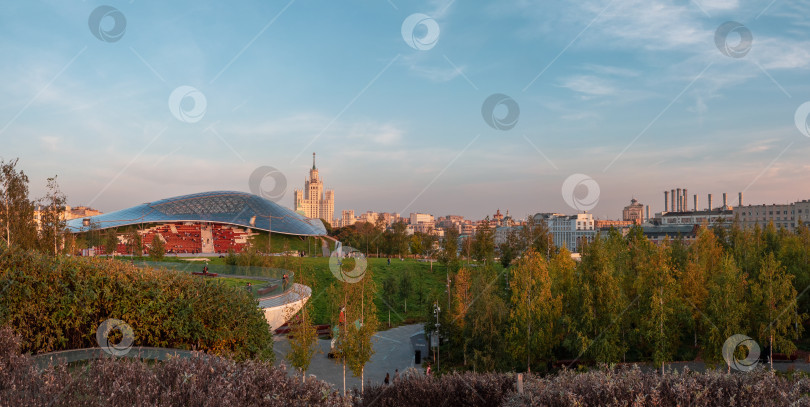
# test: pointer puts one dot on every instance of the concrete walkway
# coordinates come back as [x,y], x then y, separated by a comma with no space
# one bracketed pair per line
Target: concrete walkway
[392,350]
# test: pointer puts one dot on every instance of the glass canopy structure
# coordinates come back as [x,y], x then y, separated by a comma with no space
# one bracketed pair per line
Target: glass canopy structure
[225,207]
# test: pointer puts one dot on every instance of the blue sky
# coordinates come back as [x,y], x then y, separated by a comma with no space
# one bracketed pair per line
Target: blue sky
[634,94]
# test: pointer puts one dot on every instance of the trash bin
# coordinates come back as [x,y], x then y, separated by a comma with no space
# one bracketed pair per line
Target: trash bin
[417,357]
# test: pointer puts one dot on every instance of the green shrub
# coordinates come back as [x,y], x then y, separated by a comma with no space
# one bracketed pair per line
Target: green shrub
[58,303]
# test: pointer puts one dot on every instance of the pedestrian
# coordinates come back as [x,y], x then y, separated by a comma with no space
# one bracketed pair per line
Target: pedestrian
[389,261]
[396,374]
[205,269]
[386,379]
[284,286]
[427,372]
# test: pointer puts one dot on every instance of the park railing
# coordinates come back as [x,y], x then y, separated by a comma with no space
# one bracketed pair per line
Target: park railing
[273,278]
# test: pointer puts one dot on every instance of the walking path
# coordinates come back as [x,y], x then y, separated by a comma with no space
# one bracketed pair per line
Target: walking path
[392,350]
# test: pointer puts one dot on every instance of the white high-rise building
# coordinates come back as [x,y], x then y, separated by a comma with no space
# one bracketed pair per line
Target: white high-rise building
[314,201]
[570,231]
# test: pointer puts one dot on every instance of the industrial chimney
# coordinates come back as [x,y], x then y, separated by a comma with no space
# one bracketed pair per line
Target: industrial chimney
[725,202]
[710,202]
[685,201]
[647,218]
[696,203]
[679,199]
[740,199]
[666,201]
[672,200]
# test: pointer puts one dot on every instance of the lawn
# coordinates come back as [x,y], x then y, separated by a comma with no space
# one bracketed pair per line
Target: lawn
[424,284]
[423,281]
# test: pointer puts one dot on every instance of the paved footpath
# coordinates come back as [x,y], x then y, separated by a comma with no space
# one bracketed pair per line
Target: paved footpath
[392,350]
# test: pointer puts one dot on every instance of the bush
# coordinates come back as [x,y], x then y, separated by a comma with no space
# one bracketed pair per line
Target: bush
[198,381]
[631,386]
[58,303]
[455,389]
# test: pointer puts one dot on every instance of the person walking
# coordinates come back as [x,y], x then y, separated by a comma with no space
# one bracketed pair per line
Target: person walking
[427,372]
[396,374]
[386,381]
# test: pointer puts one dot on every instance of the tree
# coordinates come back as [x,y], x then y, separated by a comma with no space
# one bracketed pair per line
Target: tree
[303,335]
[534,312]
[483,243]
[487,319]
[16,210]
[405,287]
[135,243]
[535,234]
[52,219]
[110,241]
[360,324]
[726,307]
[510,248]
[389,289]
[400,237]
[776,319]
[600,306]
[415,244]
[461,299]
[702,264]
[564,285]
[658,297]
[158,248]
[449,250]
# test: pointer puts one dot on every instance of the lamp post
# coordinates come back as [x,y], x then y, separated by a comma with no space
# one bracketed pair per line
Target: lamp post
[270,232]
[436,311]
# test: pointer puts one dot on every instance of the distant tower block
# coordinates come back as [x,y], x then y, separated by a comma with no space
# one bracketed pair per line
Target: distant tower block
[315,201]
[666,201]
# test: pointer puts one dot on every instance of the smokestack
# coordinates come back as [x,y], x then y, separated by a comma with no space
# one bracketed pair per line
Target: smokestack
[685,200]
[740,196]
[647,218]
[696,205]
[672,200]
[710,201]
[679,199]
[724,200]
[666,201]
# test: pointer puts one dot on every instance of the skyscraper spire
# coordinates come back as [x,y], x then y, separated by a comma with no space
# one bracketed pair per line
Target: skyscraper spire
[313,161]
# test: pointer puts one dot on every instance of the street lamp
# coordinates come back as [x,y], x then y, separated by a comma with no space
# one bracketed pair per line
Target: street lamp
[270,232]
[436,311]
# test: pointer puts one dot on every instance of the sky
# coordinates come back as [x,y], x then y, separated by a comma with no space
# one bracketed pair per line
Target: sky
[444,107]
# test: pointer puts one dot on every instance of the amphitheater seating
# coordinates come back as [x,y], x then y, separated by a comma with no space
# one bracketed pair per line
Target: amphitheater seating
[187,238]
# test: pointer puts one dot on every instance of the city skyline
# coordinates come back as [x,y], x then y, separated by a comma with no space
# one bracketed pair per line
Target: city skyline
[639,96]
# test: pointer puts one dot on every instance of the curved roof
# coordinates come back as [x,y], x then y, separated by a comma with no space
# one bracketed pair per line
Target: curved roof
[229,207]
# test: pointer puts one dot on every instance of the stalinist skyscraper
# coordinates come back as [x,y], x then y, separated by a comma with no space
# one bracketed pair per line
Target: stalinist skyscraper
[313,201]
